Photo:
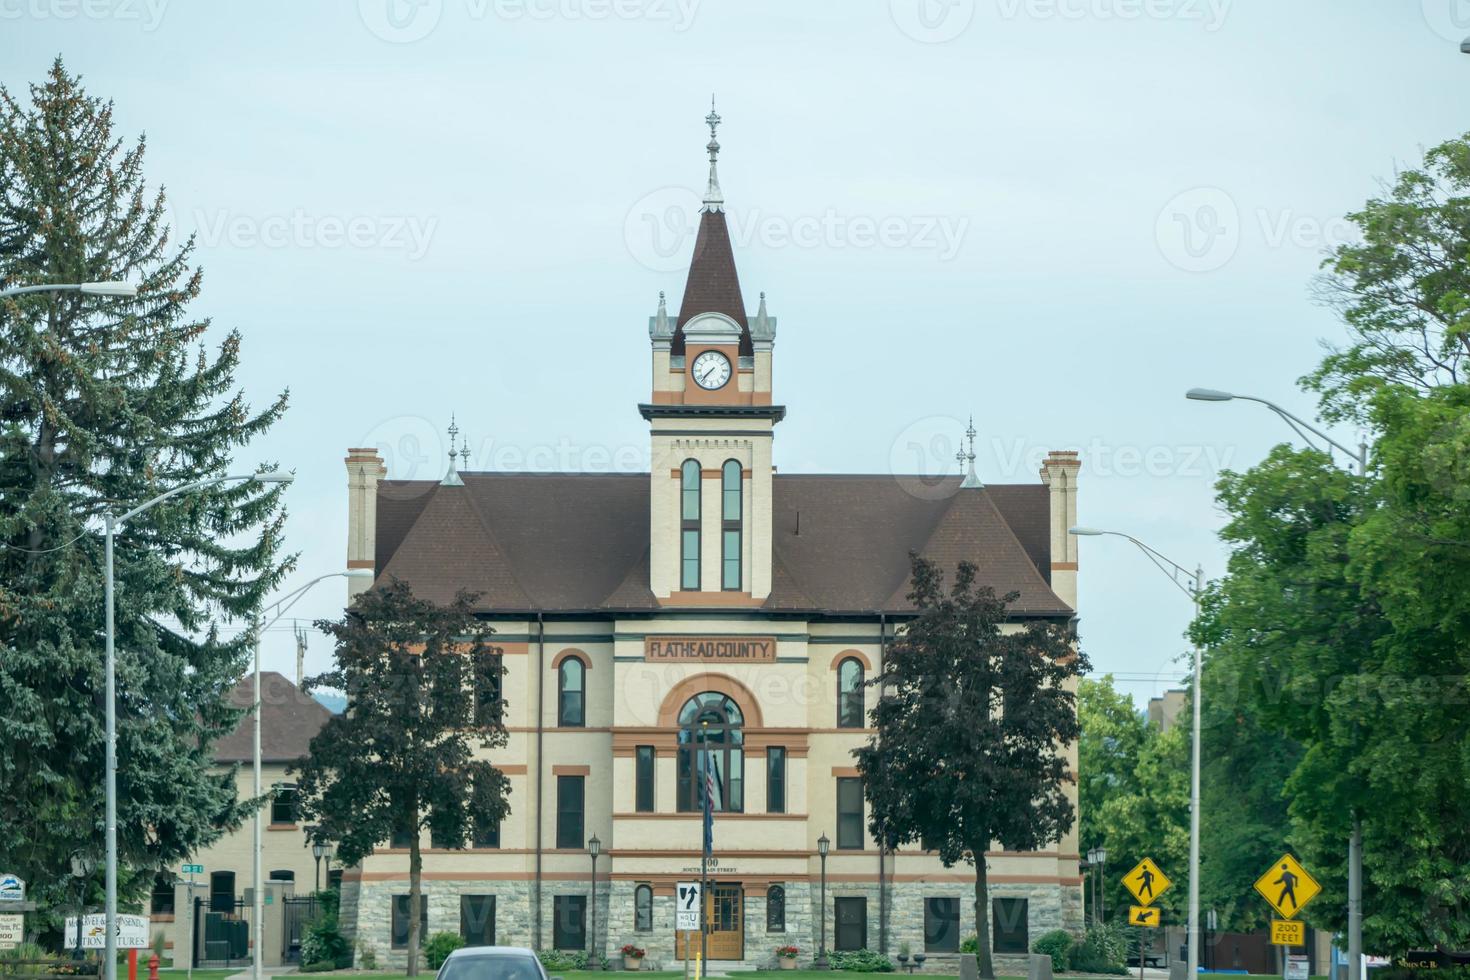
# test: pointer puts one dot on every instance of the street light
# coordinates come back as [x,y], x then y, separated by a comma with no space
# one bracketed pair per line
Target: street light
[1355,837]
[90,288]
[594,959]
[111,523]
[823,845]
[281,606]
[1191,584]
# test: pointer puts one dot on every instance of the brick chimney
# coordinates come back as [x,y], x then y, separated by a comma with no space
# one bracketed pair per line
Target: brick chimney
[1059,474]
[364,470]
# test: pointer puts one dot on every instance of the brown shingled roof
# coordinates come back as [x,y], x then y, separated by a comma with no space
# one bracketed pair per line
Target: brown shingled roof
[713,285]
[289,720]
[579,542]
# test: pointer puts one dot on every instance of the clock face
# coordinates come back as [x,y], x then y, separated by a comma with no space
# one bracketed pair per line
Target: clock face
[711,370]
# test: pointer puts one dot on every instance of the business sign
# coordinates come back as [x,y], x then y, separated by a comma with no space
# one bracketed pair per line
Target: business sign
[707,649]
[12,931]
[1296,967]
[1287,886]
[132,932]
[1286,932]
[1142,915]
[12,888]
[1146,882]
[686,906]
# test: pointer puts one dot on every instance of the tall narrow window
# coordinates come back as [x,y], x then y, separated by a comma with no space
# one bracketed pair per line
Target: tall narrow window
[488,670]
[689,526]
[850,693]
[941,925]
[730,526]
[398,938]
[477,919]
[571,686]
[643,788]
[222,891]
[162,900]
[775,779]
[643,909]
[283,803]
[569,812]
[569,922]
[776,908]
[849,813]
[1009,933]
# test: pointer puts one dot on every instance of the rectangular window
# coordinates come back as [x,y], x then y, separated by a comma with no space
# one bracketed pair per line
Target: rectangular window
[1010,925]
[477,919]
[851,918]
[570,795]
[487,836]
[775,779]
[283,804]
[400,920]
[569,922]
[222,891]
[643,791]
[402,838]
[942,925]
[488,673]
[162,900]
[689,578]
[849,813]
[730,562]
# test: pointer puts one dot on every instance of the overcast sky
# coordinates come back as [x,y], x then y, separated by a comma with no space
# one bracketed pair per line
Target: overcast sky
[1054,214]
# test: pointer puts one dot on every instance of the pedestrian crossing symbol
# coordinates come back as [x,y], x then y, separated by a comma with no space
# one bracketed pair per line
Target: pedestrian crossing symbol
[1287,887]
[1142,915]
[1146,882]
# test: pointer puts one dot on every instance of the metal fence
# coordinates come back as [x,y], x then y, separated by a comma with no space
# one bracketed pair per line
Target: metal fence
[298,914]
[221,933]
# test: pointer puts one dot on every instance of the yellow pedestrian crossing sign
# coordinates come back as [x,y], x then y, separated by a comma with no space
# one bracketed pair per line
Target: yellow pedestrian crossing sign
[1287,886]
[1146,882]
[1140,915]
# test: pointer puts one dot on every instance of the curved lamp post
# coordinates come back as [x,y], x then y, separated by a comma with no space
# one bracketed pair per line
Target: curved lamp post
[1355,838]
[1191,584]
[280,607]
[89,288]
[111,523]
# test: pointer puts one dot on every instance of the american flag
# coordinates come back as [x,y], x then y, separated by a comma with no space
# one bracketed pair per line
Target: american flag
[709,810]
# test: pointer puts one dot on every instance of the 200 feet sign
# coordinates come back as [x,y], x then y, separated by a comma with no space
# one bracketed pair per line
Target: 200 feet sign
[701,649]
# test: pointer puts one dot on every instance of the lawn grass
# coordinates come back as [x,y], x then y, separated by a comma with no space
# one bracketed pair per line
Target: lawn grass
[181,973]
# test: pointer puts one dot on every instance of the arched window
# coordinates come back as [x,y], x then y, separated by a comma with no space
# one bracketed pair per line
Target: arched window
[711,752]
[776,909]
[571,688]
[689,525]
[850,693]
[643,908]
[730,526]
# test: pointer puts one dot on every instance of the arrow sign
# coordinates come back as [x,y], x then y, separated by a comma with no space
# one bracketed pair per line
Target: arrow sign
[686,906]
[1287,886]
[1140,915]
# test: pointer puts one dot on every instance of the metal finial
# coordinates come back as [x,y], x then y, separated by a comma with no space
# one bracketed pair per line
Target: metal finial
[451,475]
[453,434]
[967,458]
[464,452]
[714,200]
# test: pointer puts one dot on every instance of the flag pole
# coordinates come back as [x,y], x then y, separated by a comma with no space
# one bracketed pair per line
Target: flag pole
[706,900]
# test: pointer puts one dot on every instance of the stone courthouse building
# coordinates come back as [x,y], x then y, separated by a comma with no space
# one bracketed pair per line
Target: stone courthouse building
[632,609]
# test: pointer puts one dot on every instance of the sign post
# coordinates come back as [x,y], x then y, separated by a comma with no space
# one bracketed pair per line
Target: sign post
[688,905]
[191,870]
[1146,882]
[1288,888]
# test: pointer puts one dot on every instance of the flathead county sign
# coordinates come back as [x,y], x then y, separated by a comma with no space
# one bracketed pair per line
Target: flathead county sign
[12,888]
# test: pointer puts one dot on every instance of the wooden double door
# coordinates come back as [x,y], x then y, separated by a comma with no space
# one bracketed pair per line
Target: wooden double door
[724,910]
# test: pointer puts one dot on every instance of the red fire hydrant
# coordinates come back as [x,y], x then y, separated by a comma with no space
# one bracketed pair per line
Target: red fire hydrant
[153,967]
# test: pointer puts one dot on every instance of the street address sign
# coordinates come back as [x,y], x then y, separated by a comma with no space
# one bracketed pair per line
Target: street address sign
[1287,886]
[193,869]
[1146,882]
[686,906]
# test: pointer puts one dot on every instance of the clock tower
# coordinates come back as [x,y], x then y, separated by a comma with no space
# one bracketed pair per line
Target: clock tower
[712,423]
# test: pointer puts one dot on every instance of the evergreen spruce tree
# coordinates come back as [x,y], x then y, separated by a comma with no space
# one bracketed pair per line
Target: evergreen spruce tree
[104,403]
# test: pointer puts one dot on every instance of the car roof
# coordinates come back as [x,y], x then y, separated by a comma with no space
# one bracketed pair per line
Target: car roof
[493,951]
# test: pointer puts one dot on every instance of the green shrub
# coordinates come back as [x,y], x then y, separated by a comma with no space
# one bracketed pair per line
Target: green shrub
[860,961]
[323,967]
[1104,949]
[970,944]
[324,944]
[367,955]
[562,959]
[24,951]
[1055,944]
[439,946]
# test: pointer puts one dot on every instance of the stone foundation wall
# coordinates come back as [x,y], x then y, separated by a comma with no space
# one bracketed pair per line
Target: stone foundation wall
[367,915]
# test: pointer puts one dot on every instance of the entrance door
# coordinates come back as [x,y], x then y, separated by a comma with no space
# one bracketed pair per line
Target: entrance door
[724,909]
[852,923]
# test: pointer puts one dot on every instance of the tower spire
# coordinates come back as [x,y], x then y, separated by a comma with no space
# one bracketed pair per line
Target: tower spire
[714,200]
[967,459]
[451,476]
